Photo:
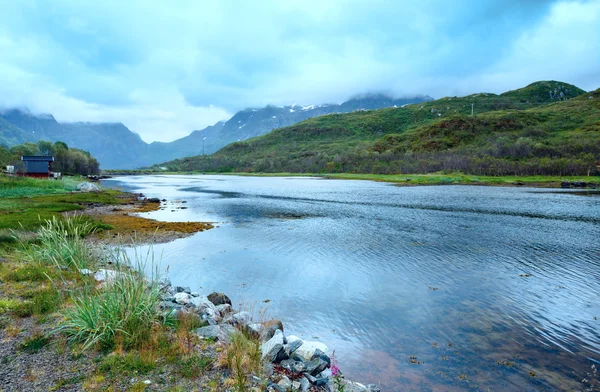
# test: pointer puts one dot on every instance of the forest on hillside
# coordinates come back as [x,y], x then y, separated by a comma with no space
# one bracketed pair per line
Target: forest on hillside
[66,160]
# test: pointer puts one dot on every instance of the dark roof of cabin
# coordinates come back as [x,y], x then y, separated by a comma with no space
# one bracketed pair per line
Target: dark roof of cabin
[37,158]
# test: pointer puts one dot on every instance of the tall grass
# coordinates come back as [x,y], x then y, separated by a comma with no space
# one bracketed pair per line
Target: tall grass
[61,244]
[242,357]
[123,311]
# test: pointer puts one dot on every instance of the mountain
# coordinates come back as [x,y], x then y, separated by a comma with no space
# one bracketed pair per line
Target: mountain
[545,128]
[250,123]
[113,144]
[117,147]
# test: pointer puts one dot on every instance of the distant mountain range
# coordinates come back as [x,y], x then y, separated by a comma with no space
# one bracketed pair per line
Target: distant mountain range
[117,147]
[545,128]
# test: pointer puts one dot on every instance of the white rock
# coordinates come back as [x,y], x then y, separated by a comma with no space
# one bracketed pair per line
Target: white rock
[85,271]
[147,382]
[87,187]
[182,298]
[205,308]
[308,348]
[106,275]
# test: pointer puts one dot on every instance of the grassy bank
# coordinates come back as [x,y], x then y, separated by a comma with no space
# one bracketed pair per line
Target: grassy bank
[25,203]
[63,330]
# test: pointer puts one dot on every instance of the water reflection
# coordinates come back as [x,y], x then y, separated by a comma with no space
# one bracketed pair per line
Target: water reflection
[486,287]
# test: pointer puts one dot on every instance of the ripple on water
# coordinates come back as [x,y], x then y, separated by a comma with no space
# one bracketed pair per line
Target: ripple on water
[486,287]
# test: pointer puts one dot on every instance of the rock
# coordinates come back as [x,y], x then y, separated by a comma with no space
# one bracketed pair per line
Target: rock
[310,378]
[255,330]
[285,384]
[227,331]
[355,387]
[87,187]
[106,275]
[183,298]
[210,331]
[293,365]
[195,294]
[180,289]
[325,374]
[274,388]
[316,366]
[320,354]
[219,298]
[295,385]
[373,388]
[308,348]
[147,382]
[292,346]
[240,320]
[270,323]
[304,384]
[271,349]
[154,200]
[83,271]
[222,332]
[224,310]
[319,382]
[268,333]
[206,309]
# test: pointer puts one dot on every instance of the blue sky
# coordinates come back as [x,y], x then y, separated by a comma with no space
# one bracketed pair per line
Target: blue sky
[166,68]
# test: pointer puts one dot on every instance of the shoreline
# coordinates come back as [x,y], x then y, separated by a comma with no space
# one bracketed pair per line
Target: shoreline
[556,182]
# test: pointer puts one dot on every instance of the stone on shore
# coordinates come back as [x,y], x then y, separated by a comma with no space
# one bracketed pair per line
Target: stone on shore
[272,348]
[87,187]
[219,299]
[224,310]
[292,346]
[308,348]
[183,298]
[240,320]
[108,276]
[255,330]
[180,289]
[222,332]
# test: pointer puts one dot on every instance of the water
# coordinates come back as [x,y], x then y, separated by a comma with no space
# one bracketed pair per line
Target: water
[416,288]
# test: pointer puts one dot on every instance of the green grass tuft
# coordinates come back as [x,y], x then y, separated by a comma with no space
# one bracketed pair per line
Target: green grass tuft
[35,342]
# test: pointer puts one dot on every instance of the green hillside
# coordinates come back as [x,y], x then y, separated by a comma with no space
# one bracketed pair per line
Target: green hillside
[546,128]
[11,135]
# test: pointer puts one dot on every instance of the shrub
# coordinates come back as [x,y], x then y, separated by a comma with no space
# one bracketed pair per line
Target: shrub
[61,244]
[126,308]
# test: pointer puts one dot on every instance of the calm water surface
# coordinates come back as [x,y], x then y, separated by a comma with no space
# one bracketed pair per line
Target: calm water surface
[489,288]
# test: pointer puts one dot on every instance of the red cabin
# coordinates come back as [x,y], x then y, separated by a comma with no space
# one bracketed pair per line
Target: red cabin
[37,166]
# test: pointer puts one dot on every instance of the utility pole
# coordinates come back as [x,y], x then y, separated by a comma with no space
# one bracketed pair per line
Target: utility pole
[203,139]
[472,109]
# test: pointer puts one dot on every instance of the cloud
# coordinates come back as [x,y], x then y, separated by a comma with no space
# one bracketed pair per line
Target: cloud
[165,70]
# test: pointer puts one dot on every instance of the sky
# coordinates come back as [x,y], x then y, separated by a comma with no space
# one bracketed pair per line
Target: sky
[166,68]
